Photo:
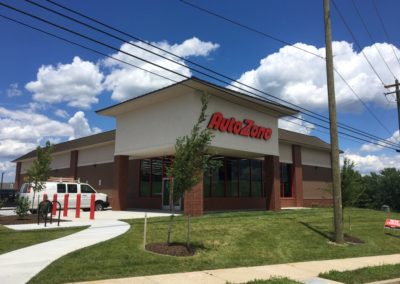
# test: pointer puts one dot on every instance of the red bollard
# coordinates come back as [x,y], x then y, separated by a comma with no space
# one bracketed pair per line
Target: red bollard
[92,201]
[54,204]
[66,196]
[78,206]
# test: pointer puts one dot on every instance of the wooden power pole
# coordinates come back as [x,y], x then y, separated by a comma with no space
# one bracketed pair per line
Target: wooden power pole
[397,91]
[337,192]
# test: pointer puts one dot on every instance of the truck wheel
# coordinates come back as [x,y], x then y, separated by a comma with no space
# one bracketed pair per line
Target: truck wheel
[99,206]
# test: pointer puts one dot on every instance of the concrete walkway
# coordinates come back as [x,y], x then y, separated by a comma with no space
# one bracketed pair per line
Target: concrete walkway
[21,265]
[306,272]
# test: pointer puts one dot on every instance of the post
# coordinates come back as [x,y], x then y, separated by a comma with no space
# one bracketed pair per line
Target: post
[54,204]
[145,231]
[337,194]
[66,196]
[396,84]
[78,206]
[1,183]
[92,203]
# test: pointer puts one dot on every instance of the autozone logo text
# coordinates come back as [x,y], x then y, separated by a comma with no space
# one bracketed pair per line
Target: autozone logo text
[247,127]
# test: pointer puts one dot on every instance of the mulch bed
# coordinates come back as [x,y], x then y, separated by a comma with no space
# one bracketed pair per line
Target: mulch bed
[352,240]
[16,220]
[173,249]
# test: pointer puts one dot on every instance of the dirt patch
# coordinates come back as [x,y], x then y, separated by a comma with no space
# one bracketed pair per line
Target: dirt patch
[30,219]
[173,249]
[352,240]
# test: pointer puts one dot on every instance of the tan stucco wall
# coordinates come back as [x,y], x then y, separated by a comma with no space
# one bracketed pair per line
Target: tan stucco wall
[152,130]
[314,157]
[60,161]
[99,154]
[285,153]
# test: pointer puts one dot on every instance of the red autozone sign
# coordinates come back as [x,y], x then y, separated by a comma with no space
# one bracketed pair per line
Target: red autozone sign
[247,127]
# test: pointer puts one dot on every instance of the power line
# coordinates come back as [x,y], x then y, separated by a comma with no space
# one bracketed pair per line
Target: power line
[202,82]
[314,114]
[371,38]
[356,41]
[384,29]
[289,44]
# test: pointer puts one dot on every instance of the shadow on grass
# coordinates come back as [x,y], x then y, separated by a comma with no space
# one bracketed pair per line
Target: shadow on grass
[393,235]
[325,235]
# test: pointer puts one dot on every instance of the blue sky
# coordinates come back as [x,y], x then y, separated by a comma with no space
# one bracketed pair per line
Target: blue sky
[50,89]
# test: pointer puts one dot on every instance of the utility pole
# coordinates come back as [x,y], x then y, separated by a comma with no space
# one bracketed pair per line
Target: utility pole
[1,183]
[396,84]
[337,192]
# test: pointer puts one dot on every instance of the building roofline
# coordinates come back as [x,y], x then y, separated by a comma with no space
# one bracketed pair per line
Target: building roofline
[285,109]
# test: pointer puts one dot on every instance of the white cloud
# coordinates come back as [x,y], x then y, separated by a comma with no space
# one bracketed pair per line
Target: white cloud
[22,130]
[80,126]
[127,82]
[373,163]
[13,90]
[296,125]
[78,84]
[300,78]
[395,138]
[61,113]
[8,169]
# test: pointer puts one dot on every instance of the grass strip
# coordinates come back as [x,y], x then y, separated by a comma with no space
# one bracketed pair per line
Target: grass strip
[226,240]
[13,239]
[364,275]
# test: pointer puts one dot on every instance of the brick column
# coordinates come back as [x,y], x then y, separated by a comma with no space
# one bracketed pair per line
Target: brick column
[272,183]
[119,195]
[297,175]
[193,201]
[73,164]
[18,175]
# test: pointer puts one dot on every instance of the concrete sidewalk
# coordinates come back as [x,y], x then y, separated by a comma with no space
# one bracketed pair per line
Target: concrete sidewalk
[21,265]
[306,272]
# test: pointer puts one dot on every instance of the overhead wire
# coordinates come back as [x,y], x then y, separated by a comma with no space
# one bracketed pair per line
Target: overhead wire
[371,37]
[203,82]
[313,114]
[384,29]
[292,45]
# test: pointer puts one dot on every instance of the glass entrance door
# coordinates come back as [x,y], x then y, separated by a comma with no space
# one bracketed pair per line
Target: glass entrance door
[166,196]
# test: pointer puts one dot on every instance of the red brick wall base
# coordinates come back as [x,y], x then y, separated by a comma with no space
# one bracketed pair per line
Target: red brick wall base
[193,200]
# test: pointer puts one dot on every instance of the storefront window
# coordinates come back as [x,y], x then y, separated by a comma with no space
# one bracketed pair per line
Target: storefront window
[145,174]
[286,183]
[235,178]
[156,176]
[217,182]
[231,178]
[244,177]
[256,178]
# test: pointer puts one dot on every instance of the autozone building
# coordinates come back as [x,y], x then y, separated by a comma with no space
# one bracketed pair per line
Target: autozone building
[263,167]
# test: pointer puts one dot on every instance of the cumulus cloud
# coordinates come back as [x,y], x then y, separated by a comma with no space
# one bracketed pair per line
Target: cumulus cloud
[127,82]
[300,78]
[395,138]
[8,169]
[366,164]
[22,130]
[80,126]
[13,90]
[296,125]
[78,84]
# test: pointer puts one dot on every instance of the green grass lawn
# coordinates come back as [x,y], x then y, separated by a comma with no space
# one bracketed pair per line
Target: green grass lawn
[11,239]
[274,280]
[364,275]
[226,240]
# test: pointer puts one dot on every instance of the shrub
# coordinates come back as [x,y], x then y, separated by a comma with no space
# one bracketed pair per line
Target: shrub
[22,207]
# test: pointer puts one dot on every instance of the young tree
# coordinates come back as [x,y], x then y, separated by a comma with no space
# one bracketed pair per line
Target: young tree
[191,158]
[39,171]
[352,186]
